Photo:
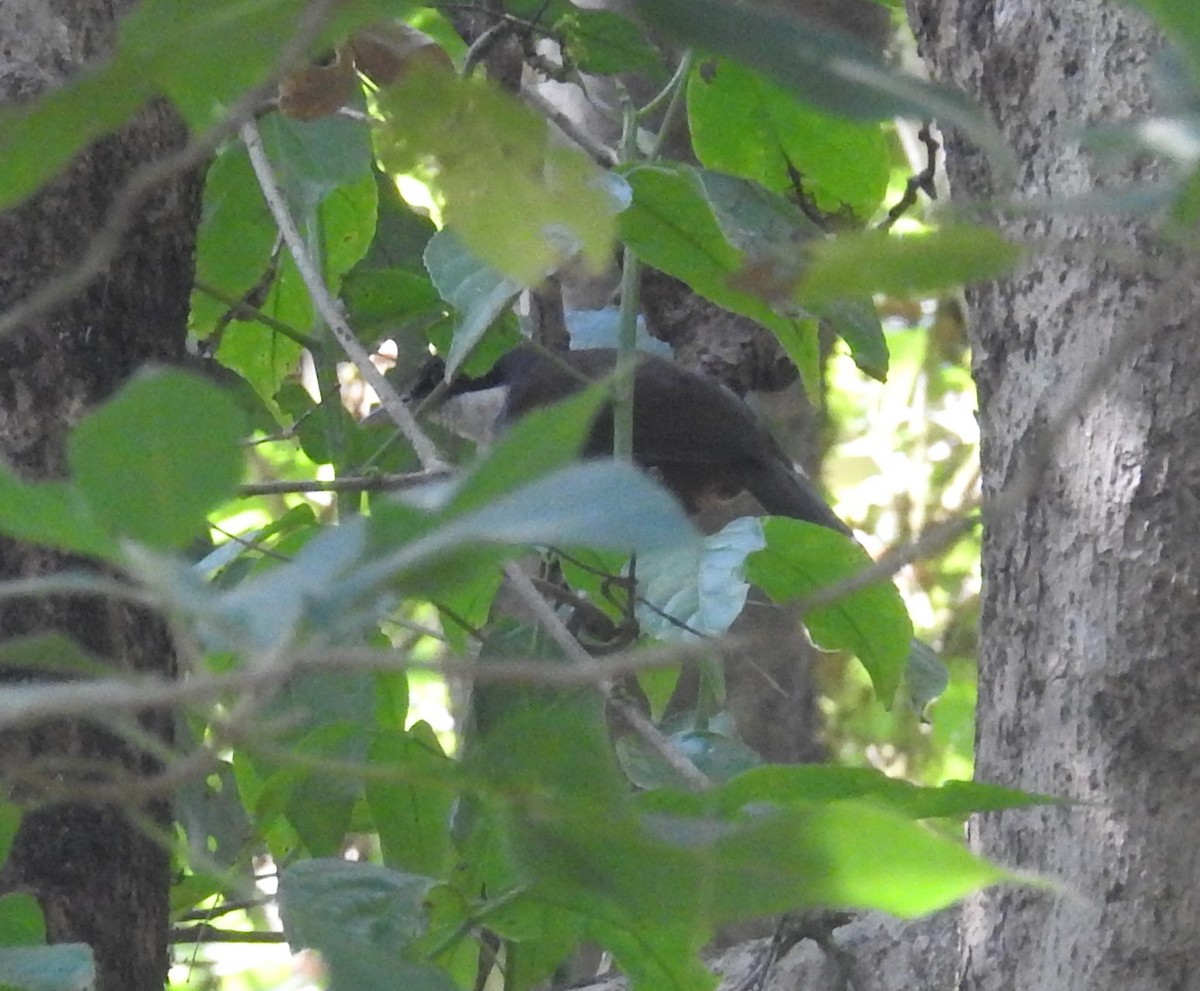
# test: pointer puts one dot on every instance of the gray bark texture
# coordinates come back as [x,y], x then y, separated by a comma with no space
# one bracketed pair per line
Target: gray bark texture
[99,878]
[1088,371]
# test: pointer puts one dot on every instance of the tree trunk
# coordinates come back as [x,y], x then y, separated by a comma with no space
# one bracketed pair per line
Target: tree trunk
[1089,386]
[99,878]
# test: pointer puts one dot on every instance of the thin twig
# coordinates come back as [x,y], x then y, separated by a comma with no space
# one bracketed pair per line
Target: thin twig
[600,153]
[24,704]
[930,543]
[211,934]
[242,309]
[348,483]
[329,309]
[921,182]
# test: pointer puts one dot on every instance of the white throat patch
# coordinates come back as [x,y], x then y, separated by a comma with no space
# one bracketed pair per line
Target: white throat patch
[473,415]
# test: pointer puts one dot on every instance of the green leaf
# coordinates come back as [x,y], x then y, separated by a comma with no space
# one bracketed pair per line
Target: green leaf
[821,784]
[50,653]
[857,322]
[822,66]
[363,919]
[872,261]
[604,43]
[844,855]
[52,514]
[212,815]
[925,676]
[345,227]
[233,246]
[136,458]
[701,585]
[320,804]
[521,201]
[872,623]
[313,158]
[21,922]
[411,812]
[772,232]
[602,504]
[478,292]
[539,938]
[532,447]
[666,955]
[384,299]
[64,967]
[671,227]
[747,125]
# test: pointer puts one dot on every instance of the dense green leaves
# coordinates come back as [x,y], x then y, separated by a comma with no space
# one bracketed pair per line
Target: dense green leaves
[823,67]
[531,830]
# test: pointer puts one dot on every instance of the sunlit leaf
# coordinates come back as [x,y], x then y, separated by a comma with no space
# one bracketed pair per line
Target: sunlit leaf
[746,124]
[817,783]
[603,42]
[521,201]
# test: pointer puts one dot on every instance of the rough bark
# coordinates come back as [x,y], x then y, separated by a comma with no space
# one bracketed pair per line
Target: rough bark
[1088,672]
[99,878]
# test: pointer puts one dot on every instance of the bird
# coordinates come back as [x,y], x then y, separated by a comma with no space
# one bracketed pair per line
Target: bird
[692,433]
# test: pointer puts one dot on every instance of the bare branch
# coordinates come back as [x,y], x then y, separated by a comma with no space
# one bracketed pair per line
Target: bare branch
[329,308]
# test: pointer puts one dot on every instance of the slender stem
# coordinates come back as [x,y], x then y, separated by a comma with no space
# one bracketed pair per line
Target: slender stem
[631,279]
[328,308]
[677,88]
[674,84]
[240,308]
[346,483]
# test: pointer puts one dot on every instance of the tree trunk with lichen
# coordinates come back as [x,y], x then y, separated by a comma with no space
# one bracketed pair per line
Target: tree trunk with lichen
[1089,390]
[98,875]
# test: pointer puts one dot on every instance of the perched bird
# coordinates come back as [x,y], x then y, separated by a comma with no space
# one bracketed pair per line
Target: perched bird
[697,437]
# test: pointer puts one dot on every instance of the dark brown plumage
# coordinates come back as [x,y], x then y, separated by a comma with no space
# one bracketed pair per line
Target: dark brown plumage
[695,435]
